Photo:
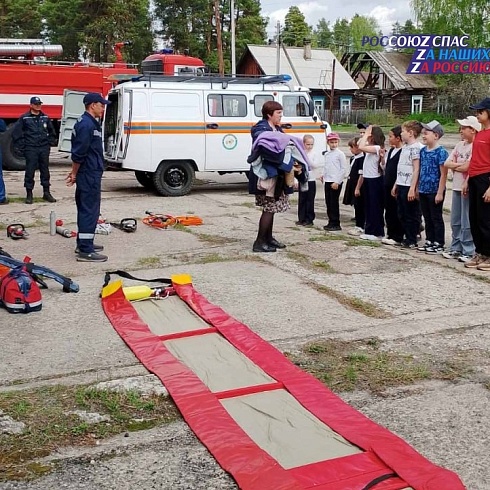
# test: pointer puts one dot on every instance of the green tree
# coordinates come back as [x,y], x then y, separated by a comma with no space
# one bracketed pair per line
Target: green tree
[396,29]
[295,28]
[341,41]
[361,26]
[94,26]
[250,25]
[111,22]
[186,24]
[20,19]
[409,28]
[455,17]
[323,34]
[65,20]
[190,24]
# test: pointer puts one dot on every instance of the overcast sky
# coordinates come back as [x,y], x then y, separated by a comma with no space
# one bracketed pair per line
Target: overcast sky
[386,13]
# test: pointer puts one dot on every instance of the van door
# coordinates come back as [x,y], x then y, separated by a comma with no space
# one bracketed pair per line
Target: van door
[227,128]
[297,120]
[134,150]
[115,140]
[73,108]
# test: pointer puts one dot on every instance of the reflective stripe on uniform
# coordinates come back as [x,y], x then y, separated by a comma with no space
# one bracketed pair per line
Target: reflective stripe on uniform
[86,236]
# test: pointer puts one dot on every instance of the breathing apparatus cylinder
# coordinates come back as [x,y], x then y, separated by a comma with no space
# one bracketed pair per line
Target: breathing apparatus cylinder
[52,223]
[63,231]
[133,293]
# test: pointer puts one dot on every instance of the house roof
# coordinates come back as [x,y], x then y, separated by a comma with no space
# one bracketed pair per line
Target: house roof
[394,65]
[315,73]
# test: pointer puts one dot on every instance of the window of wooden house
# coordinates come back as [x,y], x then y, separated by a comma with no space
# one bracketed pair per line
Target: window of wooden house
[345,104]
[372,104]
[417,104]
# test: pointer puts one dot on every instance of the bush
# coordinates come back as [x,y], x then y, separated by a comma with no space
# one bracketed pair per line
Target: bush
[426,117]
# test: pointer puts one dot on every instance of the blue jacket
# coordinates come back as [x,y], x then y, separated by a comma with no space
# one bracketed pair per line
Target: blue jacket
[86,144]
[31,131]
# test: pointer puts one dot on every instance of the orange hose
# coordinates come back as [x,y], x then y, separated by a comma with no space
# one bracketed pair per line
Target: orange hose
[166,220]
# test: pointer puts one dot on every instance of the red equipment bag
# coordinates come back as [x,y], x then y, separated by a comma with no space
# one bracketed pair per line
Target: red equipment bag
[19,292]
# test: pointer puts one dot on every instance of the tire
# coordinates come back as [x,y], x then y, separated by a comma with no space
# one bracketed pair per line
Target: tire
[11,161]
[174,178]
[145,179]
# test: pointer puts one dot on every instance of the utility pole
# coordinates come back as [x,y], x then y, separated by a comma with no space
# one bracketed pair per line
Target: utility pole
[332,95]
[221,64]
[278,48]
[233,53]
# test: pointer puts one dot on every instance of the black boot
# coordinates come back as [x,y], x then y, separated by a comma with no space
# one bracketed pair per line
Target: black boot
[29,197]
[47,196]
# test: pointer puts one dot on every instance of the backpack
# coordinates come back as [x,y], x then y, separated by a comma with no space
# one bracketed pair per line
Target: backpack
[19,292]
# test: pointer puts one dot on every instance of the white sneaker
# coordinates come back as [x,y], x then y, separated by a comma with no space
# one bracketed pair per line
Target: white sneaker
[373,238]
[389,241]
[464,258]
[356,231]
[452,254]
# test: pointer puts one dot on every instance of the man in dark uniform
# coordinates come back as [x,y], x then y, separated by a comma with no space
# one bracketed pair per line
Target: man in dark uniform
[88,165]
[3,193]
[32,136]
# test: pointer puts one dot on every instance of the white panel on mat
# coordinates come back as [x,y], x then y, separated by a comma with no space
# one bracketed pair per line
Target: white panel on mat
[169,315]
[218,364]
[283,428]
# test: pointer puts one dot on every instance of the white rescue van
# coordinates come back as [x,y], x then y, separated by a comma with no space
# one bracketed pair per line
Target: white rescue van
[167,128]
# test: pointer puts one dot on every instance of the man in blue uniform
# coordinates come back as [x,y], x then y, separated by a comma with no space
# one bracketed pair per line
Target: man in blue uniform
[87,168]
[3,193]
[32,137]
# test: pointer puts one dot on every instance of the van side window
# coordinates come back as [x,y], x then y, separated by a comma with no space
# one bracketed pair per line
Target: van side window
[295,105]
[259,101]
[229,105]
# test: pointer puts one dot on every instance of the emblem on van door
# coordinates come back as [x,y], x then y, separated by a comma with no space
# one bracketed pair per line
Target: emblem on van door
[229,141]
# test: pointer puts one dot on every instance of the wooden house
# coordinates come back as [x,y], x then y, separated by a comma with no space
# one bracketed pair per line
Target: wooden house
[384,83]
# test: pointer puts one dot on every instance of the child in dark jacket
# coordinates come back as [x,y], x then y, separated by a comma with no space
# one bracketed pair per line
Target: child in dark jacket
[394,228]
[350,198]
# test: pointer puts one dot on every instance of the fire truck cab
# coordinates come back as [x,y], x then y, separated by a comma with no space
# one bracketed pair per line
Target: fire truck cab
[167,128]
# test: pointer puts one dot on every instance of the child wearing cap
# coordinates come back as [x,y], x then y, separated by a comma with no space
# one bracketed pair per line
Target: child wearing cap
[432,186]
[477,188]
[462,246]
[405,188]
[333,176]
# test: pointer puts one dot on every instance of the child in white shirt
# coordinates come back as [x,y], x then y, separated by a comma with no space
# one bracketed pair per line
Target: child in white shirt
[306,202]
[333,177]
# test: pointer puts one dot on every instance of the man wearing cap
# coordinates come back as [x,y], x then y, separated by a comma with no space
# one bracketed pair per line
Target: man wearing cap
[88,165]
[477,188]
[32,136]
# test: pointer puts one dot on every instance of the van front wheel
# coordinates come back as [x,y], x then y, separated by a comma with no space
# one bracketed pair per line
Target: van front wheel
[174,178]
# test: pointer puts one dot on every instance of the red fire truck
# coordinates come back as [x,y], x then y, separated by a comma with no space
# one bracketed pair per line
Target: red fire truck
[25,71]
